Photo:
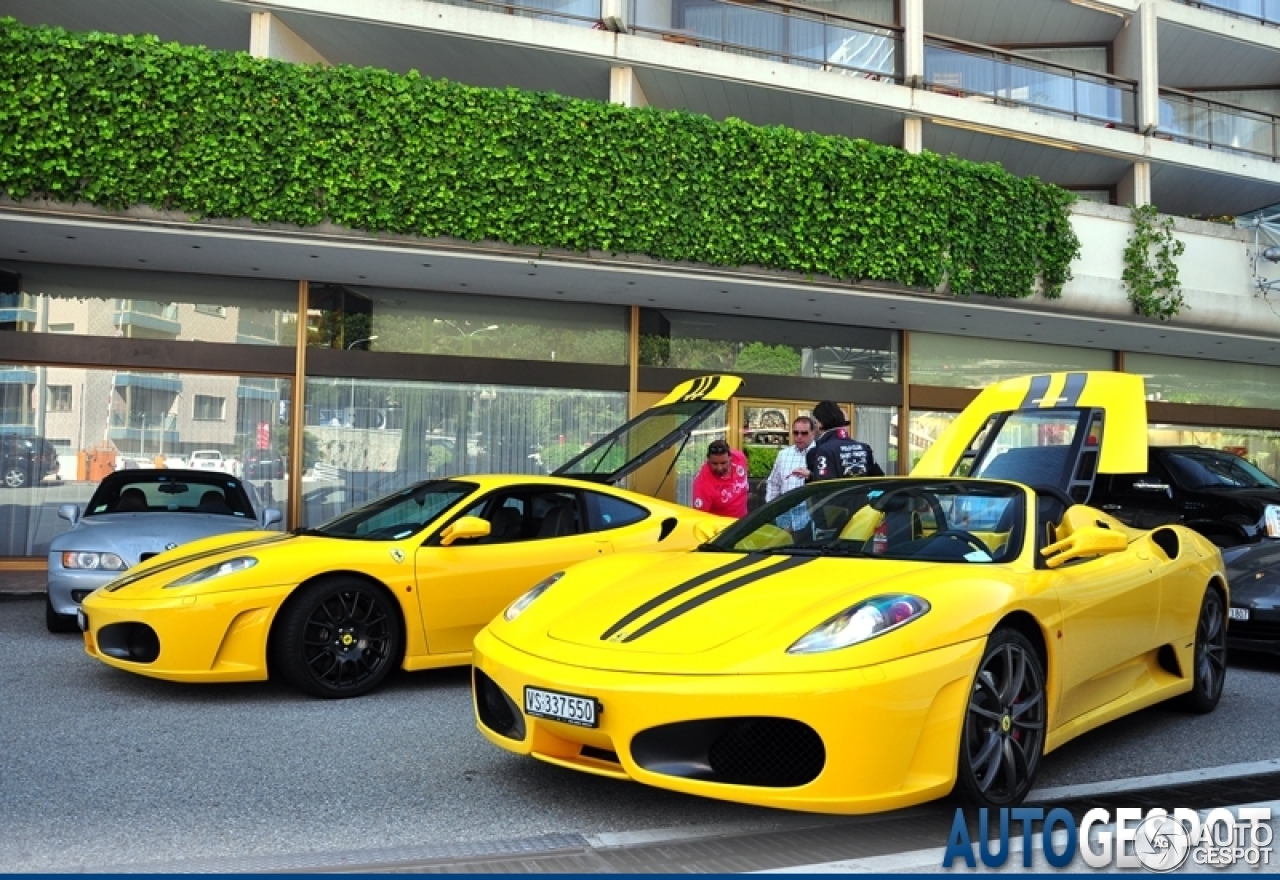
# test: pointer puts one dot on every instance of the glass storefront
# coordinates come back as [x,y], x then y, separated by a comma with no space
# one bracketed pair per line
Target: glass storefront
[98,421]
[364,438]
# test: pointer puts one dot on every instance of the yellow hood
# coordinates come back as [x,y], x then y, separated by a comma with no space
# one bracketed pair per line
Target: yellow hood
[730,608]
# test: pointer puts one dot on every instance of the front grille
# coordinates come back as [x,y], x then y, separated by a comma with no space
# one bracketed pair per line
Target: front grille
[80,595]
[145,556]
[496,710]
[771,752]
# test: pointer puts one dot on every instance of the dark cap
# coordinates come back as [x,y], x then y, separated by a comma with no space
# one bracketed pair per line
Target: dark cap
[829,415]
[717,447]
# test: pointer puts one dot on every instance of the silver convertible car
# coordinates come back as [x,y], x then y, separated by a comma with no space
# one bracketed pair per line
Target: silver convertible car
[134,515]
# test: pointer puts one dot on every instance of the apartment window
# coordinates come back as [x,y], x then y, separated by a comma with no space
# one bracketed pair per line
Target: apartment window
[59,398]
[209,408]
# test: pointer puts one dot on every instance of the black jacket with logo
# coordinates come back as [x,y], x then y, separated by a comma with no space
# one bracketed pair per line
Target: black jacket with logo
[836,454]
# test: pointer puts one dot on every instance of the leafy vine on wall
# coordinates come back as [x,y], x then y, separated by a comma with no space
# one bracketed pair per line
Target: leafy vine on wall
[1150,269]
[123,121]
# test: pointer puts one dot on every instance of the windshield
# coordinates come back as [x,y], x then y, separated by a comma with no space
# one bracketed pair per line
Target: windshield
[398,515]
[1209,468]
[964,521]
[158,491]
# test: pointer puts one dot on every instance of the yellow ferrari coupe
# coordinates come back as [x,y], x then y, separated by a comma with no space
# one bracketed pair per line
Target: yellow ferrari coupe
[404,581]
[867,644]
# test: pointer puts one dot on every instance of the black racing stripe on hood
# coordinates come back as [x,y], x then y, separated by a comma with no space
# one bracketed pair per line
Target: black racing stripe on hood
[120,583]
[692,584]
[717,592]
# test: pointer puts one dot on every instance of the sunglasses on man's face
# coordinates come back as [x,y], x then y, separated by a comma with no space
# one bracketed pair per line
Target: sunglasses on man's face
[800,433]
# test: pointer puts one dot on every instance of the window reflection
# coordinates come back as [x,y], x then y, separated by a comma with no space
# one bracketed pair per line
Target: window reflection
[426,322]
[95,422]
[733,344]
[972,362]
[40,298]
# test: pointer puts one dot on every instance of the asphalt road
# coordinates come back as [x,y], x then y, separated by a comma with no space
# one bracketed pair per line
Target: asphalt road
[102,768]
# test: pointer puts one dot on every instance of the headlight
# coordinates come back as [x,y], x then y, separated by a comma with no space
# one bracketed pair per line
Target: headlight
[1271,516]
[516,608]
[85,561]
[230,566]
[863,621]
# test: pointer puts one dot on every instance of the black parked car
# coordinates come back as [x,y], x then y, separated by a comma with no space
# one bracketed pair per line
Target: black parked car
[1217,493]
[1232,503]
[27,460]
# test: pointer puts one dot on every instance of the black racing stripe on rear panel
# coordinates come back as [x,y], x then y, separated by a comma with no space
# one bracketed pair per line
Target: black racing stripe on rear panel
[1035,394]
[717,592]
[125,581]
[1072,389]
[679,589]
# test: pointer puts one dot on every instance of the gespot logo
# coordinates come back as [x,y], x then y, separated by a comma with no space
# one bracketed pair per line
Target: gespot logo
[1158,841]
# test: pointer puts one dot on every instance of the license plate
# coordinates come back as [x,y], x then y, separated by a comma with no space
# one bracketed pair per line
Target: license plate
[1239,613]
[82,620]
[582,711]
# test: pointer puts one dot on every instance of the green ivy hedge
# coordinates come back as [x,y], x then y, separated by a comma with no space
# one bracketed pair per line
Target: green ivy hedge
[119,121]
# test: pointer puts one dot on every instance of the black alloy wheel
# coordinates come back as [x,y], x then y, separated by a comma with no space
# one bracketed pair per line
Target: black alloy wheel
[338,638]
[1002,741]
[1209,666]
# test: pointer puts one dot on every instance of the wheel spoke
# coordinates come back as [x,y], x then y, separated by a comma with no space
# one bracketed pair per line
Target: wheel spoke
[984,713]
[989,757]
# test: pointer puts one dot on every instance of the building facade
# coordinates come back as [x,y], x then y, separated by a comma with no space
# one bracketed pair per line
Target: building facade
[327,363]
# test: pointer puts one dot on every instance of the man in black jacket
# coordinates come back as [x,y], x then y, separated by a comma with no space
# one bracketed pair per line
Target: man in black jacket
[836,454]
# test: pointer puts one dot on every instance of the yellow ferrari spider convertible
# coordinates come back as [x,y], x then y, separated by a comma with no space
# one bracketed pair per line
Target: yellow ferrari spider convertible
[406,580]
[867,644]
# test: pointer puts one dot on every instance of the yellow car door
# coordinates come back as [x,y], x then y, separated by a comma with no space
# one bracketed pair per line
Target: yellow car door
[1109,615]
[533,532]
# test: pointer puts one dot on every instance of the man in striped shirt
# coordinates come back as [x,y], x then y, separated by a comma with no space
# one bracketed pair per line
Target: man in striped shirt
[789,472]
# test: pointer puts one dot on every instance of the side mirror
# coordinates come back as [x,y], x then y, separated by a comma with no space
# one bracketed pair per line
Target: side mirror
[69,512]
[271,516]
[1083,543]
[705,530]
[467,527]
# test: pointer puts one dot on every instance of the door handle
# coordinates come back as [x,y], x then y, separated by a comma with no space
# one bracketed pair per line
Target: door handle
[1111,507]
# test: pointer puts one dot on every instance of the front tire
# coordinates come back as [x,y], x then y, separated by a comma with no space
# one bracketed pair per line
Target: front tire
[58,623]
[337,638]
[1209,665]
[1002,740]
[15,477]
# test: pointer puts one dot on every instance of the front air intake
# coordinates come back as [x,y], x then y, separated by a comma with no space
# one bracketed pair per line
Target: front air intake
[496,710]
[763,751]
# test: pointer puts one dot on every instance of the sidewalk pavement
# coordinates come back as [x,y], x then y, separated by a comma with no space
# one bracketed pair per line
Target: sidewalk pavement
[22,583]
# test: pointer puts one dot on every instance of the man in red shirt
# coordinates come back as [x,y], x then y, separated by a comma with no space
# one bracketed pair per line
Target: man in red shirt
[721,485]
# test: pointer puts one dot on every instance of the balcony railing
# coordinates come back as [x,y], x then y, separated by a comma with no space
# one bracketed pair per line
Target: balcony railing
[777,31]
[1265,11]
[1190,119]
[973,71]
[584,13]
